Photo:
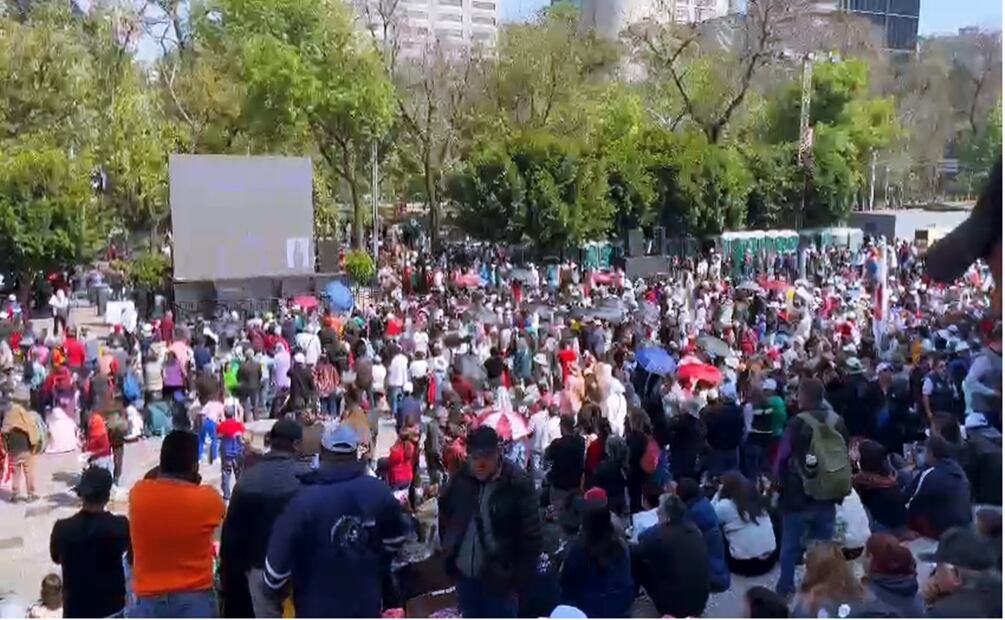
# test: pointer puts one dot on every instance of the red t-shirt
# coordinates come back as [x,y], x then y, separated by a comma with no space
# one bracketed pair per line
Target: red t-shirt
[400,463]
[74,353]
[230,428]
[566,357]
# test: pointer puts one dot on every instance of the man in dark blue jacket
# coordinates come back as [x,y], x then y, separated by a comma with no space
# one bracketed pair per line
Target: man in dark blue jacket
[259,497]
[702,514]
[939,497]
[335,539]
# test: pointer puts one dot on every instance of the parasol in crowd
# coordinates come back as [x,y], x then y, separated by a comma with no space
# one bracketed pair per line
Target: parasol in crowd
[470,367]
[715,346]
[700,372]
[776,286]
[520,274]
[468,280]
[339,296]
[509,425]
[655,360]
[648,313]
[305,302]
[752,287]
[479,314]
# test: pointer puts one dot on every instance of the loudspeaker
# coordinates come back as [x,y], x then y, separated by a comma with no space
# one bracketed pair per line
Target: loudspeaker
[636,242]
[659,240]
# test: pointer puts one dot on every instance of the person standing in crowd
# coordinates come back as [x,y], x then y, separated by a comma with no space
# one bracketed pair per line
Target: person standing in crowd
[231,432]
[567,456]
[60,305]
[22,439]
[172,520]
[91,547]
[814,473]
[490,529]
[671,563]
[258,499]
[342,522]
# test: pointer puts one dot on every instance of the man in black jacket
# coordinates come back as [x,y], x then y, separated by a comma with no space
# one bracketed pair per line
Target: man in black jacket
[490,528]
[671,563]
[258,498]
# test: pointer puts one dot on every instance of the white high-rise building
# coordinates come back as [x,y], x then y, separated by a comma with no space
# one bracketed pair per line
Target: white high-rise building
[611,17]
[451,23]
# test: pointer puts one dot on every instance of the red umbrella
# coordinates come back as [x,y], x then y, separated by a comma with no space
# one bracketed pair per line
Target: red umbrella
[469,280]
[508,425]
[699,372]
[777,286]
[603,277]
[306,302]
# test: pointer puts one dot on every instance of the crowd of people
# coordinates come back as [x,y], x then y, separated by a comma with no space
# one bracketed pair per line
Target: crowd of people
[587,445]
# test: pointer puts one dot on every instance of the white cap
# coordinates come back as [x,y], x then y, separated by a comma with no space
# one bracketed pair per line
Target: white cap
[299,358]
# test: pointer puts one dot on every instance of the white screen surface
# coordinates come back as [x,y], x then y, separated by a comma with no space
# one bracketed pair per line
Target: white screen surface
[240,217]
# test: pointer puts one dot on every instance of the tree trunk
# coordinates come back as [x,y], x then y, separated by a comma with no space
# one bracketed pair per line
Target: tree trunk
[357,216]
[432,200]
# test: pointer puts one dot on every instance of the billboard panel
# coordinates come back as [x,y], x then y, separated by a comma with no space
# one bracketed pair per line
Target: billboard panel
[239,217]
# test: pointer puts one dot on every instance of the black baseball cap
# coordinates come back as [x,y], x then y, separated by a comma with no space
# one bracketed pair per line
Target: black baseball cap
[95,484]
[286,429]
[963,547]
[950,256]
[483,441]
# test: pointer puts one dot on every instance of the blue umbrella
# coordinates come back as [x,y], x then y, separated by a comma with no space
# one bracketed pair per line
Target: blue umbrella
[339,296]
[655,360]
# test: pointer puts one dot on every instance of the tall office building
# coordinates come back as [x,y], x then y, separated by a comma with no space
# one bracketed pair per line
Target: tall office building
[611,17]
[451,23]
[896,21]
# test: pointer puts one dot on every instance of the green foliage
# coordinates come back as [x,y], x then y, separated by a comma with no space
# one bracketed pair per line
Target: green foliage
[979,152]
[148,270]
[775,185]
[359,265]
[535,188]
[703,186]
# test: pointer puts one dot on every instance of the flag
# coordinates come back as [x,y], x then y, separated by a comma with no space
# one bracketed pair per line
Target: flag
[881,305]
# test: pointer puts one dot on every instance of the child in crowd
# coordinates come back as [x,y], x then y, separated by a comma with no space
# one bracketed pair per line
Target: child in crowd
[50,604]
[231,433]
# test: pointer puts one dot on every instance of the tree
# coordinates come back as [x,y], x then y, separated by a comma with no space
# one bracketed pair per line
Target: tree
[310,78]
[47,127]
[979,152]
[534,188]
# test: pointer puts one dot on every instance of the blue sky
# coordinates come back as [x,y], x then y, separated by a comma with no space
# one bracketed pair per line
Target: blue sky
[937,16]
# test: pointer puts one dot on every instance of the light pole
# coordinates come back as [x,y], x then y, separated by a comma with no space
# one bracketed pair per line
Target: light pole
[375,198]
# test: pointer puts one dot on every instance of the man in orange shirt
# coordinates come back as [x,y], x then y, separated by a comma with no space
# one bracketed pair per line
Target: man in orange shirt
[172,519]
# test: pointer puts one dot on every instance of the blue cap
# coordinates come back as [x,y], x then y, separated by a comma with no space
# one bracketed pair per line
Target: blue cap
[341,439]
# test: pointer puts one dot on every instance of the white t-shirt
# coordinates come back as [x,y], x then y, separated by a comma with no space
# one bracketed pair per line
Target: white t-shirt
[747,540]
[418,369]
[546,429]
[421,341]
[397,371]
[379,377]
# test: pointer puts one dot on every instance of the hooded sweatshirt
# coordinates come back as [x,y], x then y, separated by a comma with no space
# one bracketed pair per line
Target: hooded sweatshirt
[939,499]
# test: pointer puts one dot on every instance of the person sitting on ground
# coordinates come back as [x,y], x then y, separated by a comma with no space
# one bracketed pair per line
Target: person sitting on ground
[90,547]
[597,573]
[761,602]
[964,583]
[829,588]
[702,514]
[939,498]
[876,484]
[891,579]
[670,563]
[50,599]
[752,549]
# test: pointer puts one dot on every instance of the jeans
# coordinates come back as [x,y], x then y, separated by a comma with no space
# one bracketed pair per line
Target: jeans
[229,465]
[330,405]
[816,523]
[208,429]
[394,395]
[198,604]
[718,462]
[475,601]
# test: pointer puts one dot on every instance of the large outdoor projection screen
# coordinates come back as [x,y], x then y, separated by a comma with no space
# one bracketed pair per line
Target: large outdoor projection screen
[240,217]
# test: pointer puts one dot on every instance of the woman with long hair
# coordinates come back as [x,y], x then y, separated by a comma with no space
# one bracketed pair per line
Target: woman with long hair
[640,432]
[611,475]
[829,586]
[595,448]
[597,573]
[751,548]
